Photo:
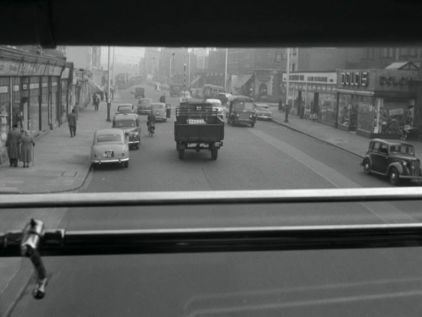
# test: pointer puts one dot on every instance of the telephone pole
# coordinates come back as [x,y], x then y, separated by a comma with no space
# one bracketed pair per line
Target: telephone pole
[108,87]
[225,70]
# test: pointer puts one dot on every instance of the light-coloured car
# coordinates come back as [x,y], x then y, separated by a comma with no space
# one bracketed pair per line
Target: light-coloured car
[144,106]
[159,110]
[217,106]
[263,112]
[129,123]
[110,146]
[125,108]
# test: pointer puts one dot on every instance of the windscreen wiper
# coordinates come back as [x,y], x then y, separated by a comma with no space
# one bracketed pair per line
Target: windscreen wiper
[34,241]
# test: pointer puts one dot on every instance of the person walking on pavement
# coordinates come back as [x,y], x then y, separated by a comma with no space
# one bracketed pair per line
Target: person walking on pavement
[12,144]
[27,149]
[71,119]
[163,99]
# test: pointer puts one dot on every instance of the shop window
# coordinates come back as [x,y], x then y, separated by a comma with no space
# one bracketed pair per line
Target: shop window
[44,104]
[365,113]
[34,104]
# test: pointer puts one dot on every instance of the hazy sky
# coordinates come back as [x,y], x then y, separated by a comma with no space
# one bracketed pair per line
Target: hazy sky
[130,55]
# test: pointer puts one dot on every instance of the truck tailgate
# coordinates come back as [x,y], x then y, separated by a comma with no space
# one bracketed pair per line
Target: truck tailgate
[198,132]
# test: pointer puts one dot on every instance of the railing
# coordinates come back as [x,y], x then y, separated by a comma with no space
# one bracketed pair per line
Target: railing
[34,241]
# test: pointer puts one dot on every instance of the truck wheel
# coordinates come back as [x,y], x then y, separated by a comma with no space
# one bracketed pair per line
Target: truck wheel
[181,154]
[214,154]
[252,124]
[393,176]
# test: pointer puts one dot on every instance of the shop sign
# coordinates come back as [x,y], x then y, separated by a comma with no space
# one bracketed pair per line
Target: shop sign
[28,69]
[4,89]
[396,112]
[16,88]
[9,68]
[34,86]
[393,81]
[354,79]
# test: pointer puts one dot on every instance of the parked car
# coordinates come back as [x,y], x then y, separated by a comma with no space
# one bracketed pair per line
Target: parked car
[144,106]
[131,126]
[125,108]
[224,98]
[110,146]
[394,159]
[263,112]
[159,110]
[218,107]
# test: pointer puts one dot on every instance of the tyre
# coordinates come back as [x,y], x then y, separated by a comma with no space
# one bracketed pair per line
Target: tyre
[252,124]
[393,176]
[366,167]
[181,154]
[94,166]
[126,164]
[214,154]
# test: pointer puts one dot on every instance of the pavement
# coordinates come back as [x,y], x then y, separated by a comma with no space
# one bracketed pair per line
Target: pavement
[346,140]
[61,163]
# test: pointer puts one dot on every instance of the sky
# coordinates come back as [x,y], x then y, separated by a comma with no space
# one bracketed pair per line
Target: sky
[129,55]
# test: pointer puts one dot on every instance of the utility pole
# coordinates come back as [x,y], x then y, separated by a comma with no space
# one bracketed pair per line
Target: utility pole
[287,108]
[225,70]
[108,87]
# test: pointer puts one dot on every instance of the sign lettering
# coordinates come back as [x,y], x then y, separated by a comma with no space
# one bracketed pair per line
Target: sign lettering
[355,79]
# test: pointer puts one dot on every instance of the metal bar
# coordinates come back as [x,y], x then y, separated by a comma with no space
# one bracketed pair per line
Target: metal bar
[110,199]
[244,239]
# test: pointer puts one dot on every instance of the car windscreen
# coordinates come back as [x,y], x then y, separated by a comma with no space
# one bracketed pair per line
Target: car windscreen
[125,123]
[105,138]
[158,106]
[243,106]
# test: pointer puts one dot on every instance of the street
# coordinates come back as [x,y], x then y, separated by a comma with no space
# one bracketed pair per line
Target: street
[318,283]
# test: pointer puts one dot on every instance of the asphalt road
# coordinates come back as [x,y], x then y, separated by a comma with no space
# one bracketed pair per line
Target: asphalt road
[382,282]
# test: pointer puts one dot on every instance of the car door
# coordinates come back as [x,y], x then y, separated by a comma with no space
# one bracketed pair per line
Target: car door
[380,157]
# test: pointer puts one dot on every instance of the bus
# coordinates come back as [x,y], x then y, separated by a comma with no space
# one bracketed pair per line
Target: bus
[211,91]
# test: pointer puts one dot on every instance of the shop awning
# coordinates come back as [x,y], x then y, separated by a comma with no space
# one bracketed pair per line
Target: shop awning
[240,80]
[403,66]
[94,85]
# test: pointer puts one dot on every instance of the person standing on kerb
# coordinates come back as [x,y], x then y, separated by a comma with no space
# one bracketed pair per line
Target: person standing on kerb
[71,120]
[12,144]
[27,149]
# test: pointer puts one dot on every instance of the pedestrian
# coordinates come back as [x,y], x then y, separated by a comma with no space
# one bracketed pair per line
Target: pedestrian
[28,144]
[71,120]
[163,99]
[12,144]
[280,105]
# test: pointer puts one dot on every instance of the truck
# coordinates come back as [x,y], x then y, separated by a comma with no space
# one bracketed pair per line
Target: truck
[198,127]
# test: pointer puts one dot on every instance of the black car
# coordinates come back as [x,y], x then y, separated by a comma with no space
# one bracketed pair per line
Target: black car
[394,159]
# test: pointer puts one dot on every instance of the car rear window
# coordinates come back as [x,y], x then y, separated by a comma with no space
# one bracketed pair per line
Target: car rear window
[103,138]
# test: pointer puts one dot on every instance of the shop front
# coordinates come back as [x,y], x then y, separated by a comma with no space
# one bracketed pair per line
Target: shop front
[314,95]
[376,102]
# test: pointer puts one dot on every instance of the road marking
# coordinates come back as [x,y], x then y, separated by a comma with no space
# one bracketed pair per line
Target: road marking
[383,211]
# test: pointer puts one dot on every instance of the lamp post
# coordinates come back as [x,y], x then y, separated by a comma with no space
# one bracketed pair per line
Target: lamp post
[188,69]
[108,87]
[286,118]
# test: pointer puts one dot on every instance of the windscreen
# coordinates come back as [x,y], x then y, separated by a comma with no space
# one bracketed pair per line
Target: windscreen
[327,104]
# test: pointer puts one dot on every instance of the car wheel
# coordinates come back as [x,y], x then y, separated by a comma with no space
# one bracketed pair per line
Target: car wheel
[366,167]
[393,175]
[214,154]
[93,166]
[252,124]
[181,154]
[126,164]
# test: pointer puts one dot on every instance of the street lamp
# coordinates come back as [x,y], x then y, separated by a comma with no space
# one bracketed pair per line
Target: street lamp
[286,118]
[171,60]
[108,88]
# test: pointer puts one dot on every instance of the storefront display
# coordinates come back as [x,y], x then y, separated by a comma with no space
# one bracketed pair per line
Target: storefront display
[347,112]
[44,104]
[327,108]
[34,105]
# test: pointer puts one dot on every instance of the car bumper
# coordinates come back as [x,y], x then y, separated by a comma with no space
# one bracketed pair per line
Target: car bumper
[134,142]
[106,161]
[264,116]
